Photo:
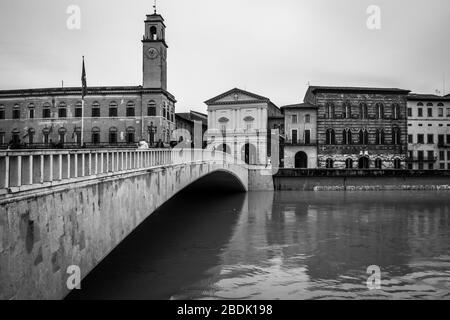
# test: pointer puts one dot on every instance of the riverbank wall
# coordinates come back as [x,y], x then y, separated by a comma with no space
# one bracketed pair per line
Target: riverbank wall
[350,180]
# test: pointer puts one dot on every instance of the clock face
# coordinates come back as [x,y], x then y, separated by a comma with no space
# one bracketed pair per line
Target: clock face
[152,53]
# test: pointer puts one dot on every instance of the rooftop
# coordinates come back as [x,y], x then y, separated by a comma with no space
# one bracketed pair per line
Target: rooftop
[429,97]
[236,91]
[193,115]
[313,89]
[67,91]
[300,105]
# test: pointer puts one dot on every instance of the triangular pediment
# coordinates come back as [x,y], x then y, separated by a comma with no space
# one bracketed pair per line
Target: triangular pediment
[236,96]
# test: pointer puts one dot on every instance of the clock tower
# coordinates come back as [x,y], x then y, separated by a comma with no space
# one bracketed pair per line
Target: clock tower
[155,53]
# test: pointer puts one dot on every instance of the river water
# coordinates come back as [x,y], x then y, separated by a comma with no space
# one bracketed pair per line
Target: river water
[283,245]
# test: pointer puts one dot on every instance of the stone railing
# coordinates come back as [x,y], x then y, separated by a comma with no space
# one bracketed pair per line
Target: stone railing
[22,170]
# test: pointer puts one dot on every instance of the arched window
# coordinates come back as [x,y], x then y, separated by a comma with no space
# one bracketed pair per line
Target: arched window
[329,110]
[62,135]
[397,163]
[77,135]
[395,111]
[396,136]
[347,110]
[429,104]
[113,135]
[440,104]
[95,135]
[330,137]
[113,109]
[378,163]
[249,122]
[46,134]
[163,109]
[16,112]
[347,136]
[46,113]
[153,33]
[307,118]
[364,162]
[130,109]
[223,123]
[78,110]
[379,137]
[2,112]
[329,163]
[62,110]
[349,163]
[130,135]
[363,110]
[96,110]
[151,108]
[15,137]
[166,110]
[31,111]
[30,135]
[420,104]
[363,137]
[380,110]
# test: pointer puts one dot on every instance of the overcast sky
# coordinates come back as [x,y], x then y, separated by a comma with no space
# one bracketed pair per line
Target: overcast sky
[272,48]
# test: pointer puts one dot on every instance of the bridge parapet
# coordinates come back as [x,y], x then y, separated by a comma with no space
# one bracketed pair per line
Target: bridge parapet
[30,169]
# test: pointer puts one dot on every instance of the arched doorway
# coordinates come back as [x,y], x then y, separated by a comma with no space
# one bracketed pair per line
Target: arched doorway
[224,148]
[364,163]
[301,160]
[249,153]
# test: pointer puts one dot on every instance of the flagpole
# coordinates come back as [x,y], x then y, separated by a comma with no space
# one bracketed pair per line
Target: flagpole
[83,93]
[82,121]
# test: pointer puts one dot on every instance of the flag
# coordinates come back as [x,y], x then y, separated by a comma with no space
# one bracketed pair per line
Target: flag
[83,81]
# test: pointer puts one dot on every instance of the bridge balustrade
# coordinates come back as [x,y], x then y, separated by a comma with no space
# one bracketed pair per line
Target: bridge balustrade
[27,169]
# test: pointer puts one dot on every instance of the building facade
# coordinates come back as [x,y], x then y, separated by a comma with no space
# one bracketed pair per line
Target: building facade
[300,145]
[238,123]
[360,127]
[112,116]
[428,132]
[190,124]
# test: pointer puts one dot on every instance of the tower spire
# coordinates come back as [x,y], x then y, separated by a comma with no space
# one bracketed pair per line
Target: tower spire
[154,6]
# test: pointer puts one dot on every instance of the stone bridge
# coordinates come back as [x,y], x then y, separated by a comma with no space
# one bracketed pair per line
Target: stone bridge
[72,207]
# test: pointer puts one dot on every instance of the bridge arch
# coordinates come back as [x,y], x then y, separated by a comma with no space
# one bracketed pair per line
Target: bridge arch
[91,201]
[217,181]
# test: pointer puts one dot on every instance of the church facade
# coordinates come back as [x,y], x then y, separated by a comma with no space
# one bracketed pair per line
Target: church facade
[238,124]
[112,116]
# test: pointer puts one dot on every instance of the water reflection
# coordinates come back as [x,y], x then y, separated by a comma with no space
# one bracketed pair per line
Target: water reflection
[285,245]
[318,245]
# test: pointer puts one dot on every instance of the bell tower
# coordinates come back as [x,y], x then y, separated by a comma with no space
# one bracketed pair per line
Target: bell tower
[154,53]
